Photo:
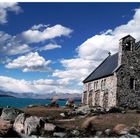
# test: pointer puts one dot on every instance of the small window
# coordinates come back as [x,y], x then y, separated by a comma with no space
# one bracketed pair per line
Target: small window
[132,83]
[102,85]
[90,86]
[95,85]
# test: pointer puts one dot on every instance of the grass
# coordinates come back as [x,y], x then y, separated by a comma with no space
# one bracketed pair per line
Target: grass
[42,111]
[101,122]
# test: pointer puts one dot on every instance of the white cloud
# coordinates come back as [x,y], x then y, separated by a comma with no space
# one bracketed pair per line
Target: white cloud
[5,8]
[41,86]
[10,46]
[39,26]
[38,34]
[29,62]
[91,52]
[19,44]
[49,46]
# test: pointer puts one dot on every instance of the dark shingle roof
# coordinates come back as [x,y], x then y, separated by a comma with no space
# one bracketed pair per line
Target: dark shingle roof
[106,68]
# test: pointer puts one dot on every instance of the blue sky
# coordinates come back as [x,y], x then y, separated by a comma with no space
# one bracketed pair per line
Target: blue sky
[52,47]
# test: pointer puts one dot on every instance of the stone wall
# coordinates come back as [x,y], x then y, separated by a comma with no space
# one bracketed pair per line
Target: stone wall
[130,61]
[105,98]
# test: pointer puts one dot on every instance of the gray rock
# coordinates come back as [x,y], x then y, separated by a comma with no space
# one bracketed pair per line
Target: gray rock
[98,133]
[62,114]
[75,133]
[133,130]
[49,127]
[5,127]
[33,126]
[18,125]
[129,136]
[34,136]
[108,132]
[10,114]
[59,134]
[83,110]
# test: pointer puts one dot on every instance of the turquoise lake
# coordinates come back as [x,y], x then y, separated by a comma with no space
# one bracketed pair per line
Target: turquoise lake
[23,102]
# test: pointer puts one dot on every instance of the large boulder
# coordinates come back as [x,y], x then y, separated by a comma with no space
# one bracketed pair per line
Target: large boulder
[18,125]
[121,129]
[10,114]
[33,126]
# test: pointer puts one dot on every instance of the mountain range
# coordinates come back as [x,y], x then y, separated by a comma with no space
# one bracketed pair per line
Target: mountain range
[75,96]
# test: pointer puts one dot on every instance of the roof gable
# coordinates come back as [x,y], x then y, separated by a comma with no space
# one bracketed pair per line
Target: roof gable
[106,68]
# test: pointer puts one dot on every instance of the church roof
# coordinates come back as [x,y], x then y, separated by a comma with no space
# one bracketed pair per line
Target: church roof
[106,68]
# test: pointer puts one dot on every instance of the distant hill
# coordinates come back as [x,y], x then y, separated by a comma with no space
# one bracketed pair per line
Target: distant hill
[7,96]
[75,96]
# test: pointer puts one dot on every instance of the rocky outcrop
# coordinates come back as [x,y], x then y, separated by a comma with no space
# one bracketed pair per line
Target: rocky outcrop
[10,114]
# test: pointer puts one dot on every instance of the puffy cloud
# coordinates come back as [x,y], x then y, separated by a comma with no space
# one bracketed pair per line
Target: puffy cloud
[29,62]
[19,44]
[41,86]
[49,46]
[39,33]
[91,52]
[6,7]
[10,46]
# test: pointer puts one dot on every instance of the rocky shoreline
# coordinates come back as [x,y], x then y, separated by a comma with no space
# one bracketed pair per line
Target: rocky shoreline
[17,123]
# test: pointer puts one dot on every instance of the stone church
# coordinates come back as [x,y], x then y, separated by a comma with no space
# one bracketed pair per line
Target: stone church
[116,81]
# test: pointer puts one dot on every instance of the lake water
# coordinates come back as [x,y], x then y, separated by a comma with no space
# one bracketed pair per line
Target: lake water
[23,102]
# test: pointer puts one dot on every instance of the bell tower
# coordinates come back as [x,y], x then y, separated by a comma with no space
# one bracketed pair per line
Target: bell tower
[126,48]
